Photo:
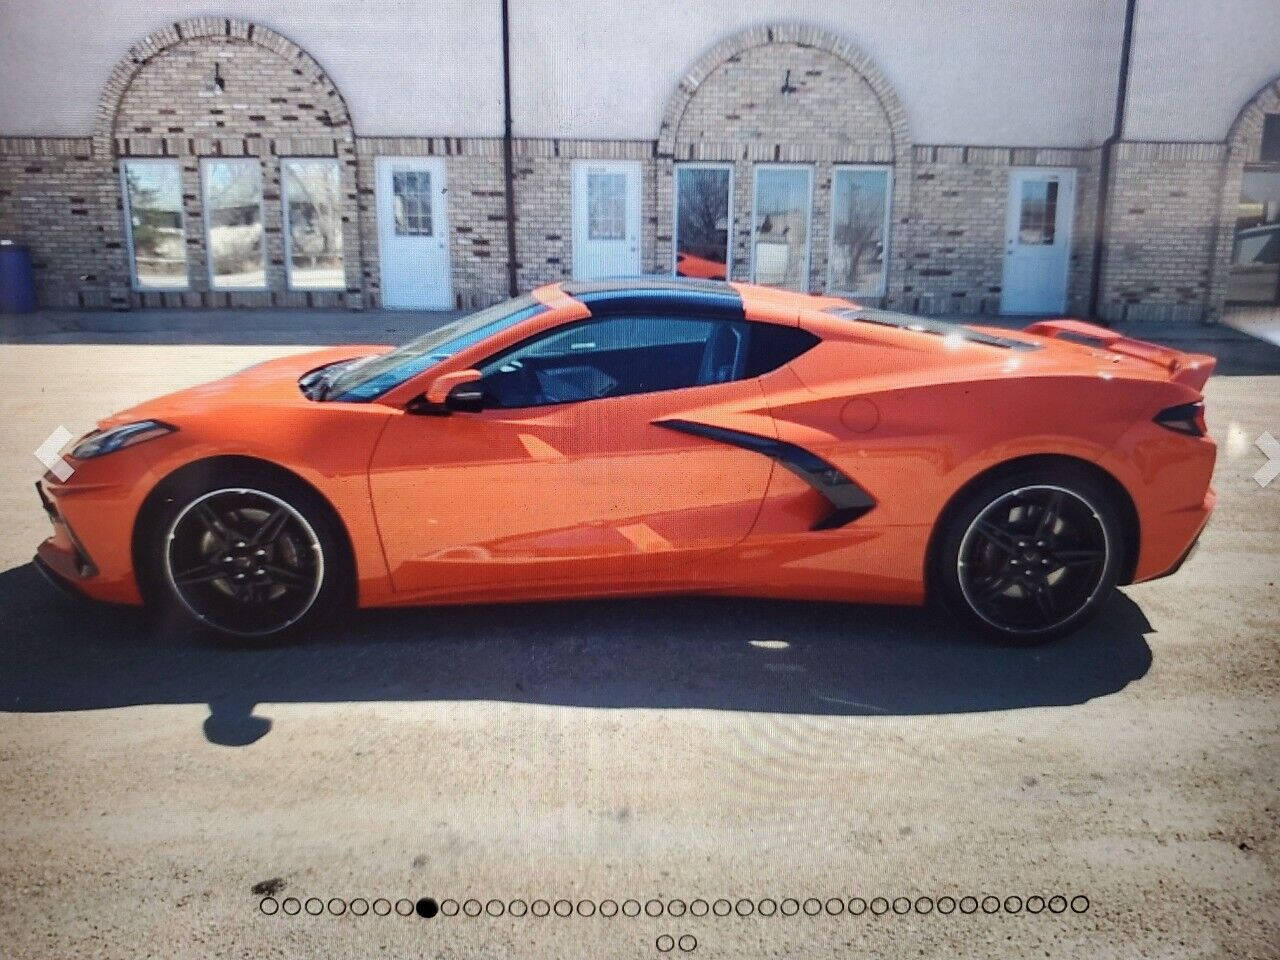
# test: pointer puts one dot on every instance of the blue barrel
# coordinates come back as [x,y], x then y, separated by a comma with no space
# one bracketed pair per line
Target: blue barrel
[17,279]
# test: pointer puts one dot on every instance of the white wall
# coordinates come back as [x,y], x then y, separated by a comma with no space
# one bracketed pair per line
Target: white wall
[404,66]
[1038,72]
[1196,66]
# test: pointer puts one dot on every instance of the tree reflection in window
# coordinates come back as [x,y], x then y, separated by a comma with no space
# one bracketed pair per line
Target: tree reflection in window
[233,217]
[313,209]
[702,222]
[153,199]
[859,203]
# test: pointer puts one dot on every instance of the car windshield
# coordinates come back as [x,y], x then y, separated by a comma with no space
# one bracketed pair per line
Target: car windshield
[371,379]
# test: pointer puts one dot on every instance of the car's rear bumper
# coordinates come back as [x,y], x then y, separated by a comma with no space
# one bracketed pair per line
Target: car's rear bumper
[1178,538]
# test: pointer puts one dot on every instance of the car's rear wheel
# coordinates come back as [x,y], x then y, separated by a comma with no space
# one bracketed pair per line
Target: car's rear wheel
[248,556]
[1031,555]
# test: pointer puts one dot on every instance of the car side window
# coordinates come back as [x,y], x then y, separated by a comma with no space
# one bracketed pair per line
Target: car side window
[772,345]
[615,357]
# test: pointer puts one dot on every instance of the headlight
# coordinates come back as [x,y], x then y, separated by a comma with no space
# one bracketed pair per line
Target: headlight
[117,438]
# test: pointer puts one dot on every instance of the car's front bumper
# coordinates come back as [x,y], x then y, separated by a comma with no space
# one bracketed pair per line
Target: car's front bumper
[64,555]
[61,582]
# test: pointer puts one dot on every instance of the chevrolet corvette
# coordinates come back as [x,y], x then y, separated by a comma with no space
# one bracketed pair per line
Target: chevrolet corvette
[648,437]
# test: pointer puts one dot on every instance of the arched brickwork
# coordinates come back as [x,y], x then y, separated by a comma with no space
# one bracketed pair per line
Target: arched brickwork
[223,87]
[803,36]
[1245,136]
[220,31]
[782,92]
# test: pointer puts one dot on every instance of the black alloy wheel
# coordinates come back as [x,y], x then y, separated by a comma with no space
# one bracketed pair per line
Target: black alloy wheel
[1031,560]
[246,562]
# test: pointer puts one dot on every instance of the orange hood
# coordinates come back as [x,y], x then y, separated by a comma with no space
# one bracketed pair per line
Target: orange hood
[271,382]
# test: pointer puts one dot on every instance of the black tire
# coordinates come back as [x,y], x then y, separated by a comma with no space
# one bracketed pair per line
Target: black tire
[272,564]
[1001,571]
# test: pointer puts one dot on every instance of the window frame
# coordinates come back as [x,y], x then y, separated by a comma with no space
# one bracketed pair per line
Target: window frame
[430,220]
[587,321]
[288,227]
[1048,228]
[205,163]
[618,176]
[134,281]
[675,212]
[808,168]
[882,284]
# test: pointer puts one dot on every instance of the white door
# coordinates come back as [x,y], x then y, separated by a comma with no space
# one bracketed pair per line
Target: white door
[1037,240]
[606,219]
[413,233]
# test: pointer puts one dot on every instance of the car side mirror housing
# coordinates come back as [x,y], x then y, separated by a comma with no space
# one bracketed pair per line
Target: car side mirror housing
[460,391]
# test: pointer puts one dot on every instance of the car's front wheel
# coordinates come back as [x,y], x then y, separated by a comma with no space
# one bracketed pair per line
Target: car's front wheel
[246,556]
[1031,555]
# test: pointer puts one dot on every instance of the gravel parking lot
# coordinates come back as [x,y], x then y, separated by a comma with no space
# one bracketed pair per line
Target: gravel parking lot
[680,754]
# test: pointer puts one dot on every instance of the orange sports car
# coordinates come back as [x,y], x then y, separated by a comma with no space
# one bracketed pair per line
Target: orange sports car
[652,437]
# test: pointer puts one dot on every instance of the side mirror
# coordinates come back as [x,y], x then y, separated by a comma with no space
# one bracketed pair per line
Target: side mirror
[459,390]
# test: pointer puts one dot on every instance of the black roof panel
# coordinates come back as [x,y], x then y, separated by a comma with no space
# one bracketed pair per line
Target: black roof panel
[576,288]
[686,297]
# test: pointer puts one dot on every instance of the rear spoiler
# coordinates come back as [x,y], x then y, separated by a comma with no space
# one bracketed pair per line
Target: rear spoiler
[1191,369]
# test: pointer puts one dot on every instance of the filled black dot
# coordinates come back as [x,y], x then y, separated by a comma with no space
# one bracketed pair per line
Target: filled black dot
[427,908]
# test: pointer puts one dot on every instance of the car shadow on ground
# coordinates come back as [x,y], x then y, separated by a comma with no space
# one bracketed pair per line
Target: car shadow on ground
[672,653]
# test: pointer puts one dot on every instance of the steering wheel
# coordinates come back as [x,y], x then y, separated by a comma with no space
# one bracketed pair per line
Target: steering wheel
[513,384]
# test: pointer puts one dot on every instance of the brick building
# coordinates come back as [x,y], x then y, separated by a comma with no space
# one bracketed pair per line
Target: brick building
[932,156]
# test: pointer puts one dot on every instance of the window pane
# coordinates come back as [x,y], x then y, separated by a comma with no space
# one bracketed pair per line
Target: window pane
[702,222]
[153,195]
[233,217]
[771,345]
[859,199]
[780,234]
[313,205]
[1039,212]
[617,357]
[1270,152]
[606,206]
[1255,253]
[411,190]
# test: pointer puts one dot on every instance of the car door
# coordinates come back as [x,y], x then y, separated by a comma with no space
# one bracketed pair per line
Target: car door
[569,475]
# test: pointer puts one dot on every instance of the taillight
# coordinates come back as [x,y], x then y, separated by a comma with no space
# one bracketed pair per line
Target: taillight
[1185,418]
